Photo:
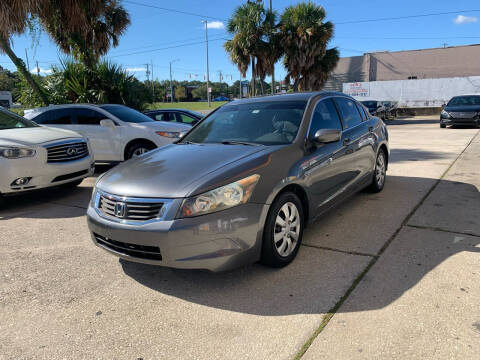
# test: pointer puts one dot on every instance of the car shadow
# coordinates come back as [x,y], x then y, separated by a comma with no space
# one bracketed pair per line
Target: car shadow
[56,202]
[407,155]
[410,121]
[317,278]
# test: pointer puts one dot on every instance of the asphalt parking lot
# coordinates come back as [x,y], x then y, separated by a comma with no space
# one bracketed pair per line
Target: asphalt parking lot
[388,275]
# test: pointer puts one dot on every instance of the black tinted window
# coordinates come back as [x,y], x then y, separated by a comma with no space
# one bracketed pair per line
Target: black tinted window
[325,116]
[89,117]
[165,116]
[184,118]
[465,101]
[349,112]
[362,111]
[56,117]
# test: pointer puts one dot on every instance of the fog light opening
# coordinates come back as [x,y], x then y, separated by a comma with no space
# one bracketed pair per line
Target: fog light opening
[21,181]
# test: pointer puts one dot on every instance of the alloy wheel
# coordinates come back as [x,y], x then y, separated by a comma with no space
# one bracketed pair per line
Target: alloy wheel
[380,169]
[287,229]
[139,151]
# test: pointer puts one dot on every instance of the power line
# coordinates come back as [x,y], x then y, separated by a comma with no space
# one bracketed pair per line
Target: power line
[406,17]
[174,10]
[405,38]
[168,47]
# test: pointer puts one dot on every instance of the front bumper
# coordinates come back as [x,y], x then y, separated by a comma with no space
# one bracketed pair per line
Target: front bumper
[220,241]
[465,122]
[43,174]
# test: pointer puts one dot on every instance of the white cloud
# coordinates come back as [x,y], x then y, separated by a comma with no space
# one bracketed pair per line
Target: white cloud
[36,70]
[460,19]
[136,69]
[215,25]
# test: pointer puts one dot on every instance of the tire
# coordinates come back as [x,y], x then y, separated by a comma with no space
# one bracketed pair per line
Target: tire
[282,252]
[379,173]
[443,126]
[137,149]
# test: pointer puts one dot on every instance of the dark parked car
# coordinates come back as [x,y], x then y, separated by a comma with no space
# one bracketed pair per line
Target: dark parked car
[175,115]
[461,110]
[242,185]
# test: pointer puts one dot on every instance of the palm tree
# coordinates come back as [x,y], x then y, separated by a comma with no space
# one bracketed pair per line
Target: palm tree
[253,29]
[14,19]
[304,38]
[85,29]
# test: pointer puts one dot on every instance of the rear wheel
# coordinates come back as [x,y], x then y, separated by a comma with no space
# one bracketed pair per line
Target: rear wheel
[380,172]
[138,149]
[283,231]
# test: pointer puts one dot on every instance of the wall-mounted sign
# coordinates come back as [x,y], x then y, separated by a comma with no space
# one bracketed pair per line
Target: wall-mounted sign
[360,89]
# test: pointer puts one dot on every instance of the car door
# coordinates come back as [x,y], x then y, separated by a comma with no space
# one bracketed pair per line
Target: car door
[357,138]
[324,165]
[104,140]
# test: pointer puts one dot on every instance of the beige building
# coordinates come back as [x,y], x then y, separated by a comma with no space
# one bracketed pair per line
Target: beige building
[455,61]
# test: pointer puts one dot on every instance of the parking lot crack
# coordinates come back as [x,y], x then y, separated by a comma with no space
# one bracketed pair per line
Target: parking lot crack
[467,233]
[339,250]
[329,315]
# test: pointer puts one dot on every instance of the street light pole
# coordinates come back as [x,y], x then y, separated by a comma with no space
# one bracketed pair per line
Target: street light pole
[171,83]
[208,70]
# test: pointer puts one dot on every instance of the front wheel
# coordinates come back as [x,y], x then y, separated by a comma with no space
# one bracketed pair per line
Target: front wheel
[283,231]
[443,126]
[138,149]
[380,172]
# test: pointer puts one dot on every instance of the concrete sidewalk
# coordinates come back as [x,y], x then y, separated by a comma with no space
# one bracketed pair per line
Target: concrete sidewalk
[420,299]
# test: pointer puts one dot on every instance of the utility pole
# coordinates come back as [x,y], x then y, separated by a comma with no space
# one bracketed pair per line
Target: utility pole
[273,69]
[208,69]
[147,72]
[171,82]
[153,85]
[38,70]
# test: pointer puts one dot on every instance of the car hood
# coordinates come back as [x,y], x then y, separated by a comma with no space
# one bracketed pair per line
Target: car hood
[172,171]
[34,136]
[162,126]
[470,108]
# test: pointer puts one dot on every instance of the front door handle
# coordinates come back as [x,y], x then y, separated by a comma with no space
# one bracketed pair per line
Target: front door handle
[346,141]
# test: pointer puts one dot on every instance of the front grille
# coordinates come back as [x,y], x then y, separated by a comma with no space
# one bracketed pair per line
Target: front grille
[67,152]
[463,115]
[134,250]
[70,176]
[129,210]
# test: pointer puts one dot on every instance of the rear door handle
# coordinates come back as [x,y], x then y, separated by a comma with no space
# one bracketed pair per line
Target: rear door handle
[346,141]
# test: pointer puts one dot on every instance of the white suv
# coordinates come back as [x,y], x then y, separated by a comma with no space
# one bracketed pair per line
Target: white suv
[116,132]
[34,157]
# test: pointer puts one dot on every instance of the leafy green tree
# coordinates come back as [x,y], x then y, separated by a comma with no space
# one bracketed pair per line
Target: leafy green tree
[304,36]
[180,93]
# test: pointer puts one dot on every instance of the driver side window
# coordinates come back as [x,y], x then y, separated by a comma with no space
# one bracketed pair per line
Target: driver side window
[325,116]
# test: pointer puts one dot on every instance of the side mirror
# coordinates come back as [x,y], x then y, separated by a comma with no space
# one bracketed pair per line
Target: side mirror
[325,136]
[107,123]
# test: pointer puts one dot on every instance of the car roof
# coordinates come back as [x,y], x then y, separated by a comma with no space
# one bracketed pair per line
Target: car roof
[299,96]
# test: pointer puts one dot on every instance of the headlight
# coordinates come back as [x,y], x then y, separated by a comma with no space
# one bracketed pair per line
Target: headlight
[15,153]
[444,114]
[219,199]
[169,134]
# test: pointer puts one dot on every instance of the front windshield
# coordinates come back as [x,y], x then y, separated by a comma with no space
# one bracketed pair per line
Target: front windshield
[9,120]
[264,123]
[465,101]
[127,114]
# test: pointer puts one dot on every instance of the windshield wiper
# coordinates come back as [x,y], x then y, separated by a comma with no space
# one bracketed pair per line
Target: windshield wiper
[233,142]
[185,143]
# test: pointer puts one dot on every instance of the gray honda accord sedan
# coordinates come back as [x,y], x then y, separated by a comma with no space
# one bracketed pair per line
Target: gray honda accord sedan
[241,185]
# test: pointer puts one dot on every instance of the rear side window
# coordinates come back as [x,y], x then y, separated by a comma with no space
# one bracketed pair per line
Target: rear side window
[184,118]
[349,112]
[362,111]
[55,117]
[325,116]
[89,117]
